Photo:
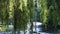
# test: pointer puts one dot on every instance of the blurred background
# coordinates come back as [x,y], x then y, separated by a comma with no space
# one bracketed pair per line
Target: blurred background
[29,16]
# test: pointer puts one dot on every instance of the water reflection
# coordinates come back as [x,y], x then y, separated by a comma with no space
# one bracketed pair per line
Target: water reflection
[38,30]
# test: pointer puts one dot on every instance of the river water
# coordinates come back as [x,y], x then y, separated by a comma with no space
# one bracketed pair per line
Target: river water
[36,30]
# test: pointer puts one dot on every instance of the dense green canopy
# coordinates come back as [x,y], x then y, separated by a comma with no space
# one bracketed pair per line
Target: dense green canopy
[20,12]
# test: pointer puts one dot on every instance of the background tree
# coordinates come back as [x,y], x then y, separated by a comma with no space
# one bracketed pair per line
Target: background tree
[44,12]
[30,8]
[58,11]
[21,15]
[4,13]
[52,18]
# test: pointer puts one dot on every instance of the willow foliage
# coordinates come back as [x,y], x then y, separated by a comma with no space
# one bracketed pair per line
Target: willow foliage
[21,14]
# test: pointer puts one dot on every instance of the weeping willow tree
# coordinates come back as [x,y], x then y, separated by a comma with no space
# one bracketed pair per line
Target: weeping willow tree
[0,12]
[0,15]
[4,13]
[49,14]
[58,11]
[52,19]
[25,14]
[17,14]
[30,6]
[44,12]
[11,11]
[21,15]
[11,14]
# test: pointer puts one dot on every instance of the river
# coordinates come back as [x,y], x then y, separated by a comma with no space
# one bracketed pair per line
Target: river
[38,30]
